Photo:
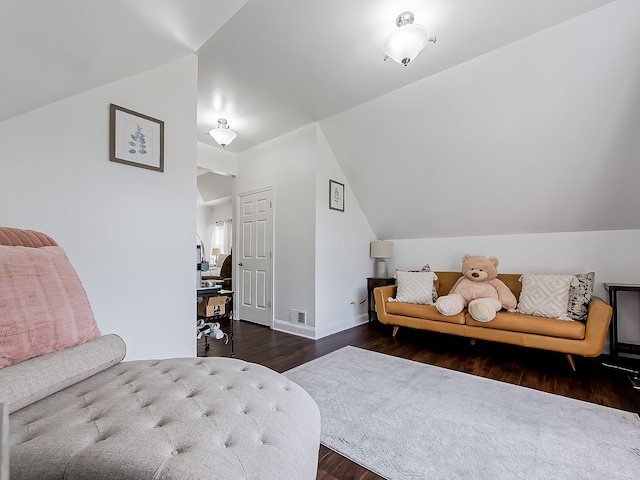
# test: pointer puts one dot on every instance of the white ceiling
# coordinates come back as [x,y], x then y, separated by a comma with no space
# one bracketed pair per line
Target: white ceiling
[51,50]
[278,65]
[270,67]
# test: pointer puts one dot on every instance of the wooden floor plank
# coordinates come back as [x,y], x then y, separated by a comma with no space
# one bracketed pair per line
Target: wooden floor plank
[537,369]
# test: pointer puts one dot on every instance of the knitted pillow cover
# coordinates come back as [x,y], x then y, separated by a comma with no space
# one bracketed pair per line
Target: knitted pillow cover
[545,295]
[414,287]
[43,305]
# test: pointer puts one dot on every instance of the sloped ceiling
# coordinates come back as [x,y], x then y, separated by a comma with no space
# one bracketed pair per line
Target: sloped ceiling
[214,189]
[53,50]
[539,136]
[278,65]
[522,118]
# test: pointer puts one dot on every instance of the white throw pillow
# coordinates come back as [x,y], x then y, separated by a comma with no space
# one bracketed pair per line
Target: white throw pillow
[545,295]
[414,287]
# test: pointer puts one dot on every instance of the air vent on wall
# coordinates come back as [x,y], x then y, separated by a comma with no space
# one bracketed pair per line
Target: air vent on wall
[298,316]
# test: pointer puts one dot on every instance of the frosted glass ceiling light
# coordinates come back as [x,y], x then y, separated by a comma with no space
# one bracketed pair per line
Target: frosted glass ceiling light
[223,134]
[405,43]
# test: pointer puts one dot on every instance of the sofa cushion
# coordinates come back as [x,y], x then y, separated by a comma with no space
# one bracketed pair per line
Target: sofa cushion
[428,312]
[414,287]
[43,306]
[545,295]
[518,322]
[580,296]
[31,380]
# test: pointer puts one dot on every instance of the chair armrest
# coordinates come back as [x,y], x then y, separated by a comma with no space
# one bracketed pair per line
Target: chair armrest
[598,319]
[380,295]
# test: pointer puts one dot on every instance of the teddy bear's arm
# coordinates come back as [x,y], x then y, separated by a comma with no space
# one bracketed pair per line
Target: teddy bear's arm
[455,285]
[506,296]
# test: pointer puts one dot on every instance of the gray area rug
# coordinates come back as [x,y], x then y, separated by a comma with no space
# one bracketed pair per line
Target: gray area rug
[407,420]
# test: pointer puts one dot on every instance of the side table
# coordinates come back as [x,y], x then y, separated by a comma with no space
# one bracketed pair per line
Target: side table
[373,282]
[616,346]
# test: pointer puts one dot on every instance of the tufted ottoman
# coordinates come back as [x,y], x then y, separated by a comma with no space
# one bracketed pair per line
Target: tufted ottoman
[197,418]
[77,411]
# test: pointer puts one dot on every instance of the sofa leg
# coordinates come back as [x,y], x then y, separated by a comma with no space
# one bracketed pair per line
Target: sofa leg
[572,362]
[472,341]
[395,330]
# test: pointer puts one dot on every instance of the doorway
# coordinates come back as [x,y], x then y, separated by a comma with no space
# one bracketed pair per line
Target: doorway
[254,261]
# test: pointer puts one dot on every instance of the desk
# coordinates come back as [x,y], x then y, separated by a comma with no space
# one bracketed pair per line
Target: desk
[616,346]
[373,282]
[214,292]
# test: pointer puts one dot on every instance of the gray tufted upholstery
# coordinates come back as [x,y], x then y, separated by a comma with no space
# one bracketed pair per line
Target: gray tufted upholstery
[77,412]
[199,418]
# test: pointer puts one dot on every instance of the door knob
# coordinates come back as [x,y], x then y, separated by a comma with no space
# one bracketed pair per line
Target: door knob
[240,264]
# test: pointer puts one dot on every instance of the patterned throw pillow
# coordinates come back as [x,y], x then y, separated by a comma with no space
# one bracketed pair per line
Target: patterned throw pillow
[427,268]
[414,287]
[580,296]
[545,295]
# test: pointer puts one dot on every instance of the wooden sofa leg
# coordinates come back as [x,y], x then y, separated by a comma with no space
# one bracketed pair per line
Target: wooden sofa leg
[572,362]
[395,330]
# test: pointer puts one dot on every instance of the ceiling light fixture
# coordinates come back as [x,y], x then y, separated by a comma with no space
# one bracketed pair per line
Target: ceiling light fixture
[222,133]
[405,43]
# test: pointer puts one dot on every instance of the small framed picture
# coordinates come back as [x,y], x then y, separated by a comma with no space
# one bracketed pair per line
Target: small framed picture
[136,139]
[336,195]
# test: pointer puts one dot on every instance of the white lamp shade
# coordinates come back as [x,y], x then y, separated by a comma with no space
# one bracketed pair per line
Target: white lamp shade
[381,249]
[404,43]
[216,251]
[223,136]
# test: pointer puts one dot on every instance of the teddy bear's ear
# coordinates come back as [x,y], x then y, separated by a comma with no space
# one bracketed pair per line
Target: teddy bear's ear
[494,260]
[466,257]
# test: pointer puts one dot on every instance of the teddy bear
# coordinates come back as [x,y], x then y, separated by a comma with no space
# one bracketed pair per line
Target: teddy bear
[478,289]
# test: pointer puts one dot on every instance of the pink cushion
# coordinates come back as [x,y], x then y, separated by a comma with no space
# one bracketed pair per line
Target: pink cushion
[43,306]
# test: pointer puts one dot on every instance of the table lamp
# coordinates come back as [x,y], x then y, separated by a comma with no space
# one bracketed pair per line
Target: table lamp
[381,250]
[215,252]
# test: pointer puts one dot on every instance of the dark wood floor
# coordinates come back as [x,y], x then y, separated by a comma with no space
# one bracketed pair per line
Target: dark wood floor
[541,370]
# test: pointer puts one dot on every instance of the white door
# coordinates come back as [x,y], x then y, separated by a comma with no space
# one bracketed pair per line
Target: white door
[254,259]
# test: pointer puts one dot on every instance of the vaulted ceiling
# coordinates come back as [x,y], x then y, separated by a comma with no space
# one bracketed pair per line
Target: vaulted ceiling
[438,148]
[278,65]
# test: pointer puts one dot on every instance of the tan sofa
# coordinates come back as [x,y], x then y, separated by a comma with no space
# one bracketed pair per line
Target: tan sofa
[568,337]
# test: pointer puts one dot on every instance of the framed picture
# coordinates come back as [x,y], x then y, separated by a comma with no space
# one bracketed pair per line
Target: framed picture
[336,195]
[136,139]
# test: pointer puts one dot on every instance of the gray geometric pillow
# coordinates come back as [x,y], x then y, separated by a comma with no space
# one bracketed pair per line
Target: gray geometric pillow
[427,268]
[414,287]
[580,296]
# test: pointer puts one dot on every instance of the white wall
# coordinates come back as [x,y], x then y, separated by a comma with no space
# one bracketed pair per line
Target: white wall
[342,251]
[115,221]
[287,164]
[204,229]
[216,160]
[613,255]
[222,212]
[321,256]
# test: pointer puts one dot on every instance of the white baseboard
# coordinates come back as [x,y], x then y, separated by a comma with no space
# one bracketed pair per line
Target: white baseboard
[326,330]
[300,330]
[319,332]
